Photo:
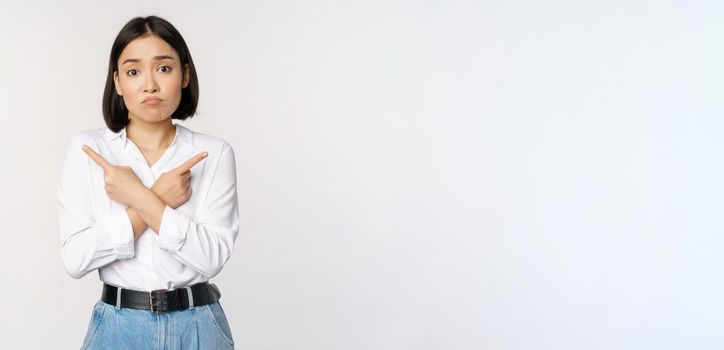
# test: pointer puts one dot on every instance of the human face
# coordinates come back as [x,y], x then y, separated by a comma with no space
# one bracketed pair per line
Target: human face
[150,79]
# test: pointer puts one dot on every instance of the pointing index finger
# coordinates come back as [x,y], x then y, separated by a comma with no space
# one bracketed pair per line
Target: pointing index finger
[186,166]
[96,157]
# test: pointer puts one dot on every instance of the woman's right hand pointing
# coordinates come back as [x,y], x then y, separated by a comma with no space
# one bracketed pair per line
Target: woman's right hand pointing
[121,183]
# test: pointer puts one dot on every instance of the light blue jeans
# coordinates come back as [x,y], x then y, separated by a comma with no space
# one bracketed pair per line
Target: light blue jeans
[203,327]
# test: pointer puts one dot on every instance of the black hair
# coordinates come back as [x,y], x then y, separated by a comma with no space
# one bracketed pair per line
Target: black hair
[114,111]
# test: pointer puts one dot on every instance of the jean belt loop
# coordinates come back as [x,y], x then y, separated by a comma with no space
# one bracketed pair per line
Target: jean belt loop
[118,298]
[191,297]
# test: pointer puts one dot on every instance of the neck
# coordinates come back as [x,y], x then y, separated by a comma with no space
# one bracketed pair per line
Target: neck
[151,136]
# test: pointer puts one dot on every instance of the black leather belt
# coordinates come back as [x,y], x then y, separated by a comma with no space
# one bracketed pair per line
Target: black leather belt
[162,300]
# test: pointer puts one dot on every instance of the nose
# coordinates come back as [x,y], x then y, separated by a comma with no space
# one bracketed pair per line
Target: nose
[149,84]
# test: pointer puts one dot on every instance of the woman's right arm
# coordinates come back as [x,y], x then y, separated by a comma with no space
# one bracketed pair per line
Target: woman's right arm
[89,239]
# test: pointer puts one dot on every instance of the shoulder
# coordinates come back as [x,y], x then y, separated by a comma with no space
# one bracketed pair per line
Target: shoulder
[90,137]
[206,141]
[74,159]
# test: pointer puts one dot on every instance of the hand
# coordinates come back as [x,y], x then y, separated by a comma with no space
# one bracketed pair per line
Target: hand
[172,187]
[122,184]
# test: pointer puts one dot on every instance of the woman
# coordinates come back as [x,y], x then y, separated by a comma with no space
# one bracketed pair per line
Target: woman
[150,204]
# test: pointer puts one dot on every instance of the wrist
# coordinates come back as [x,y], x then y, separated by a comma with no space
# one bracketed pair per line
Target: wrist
[150,208]
[142,197]
[139,226]
[153,189]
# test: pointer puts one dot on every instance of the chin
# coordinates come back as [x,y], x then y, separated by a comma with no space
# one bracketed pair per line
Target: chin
[152,119]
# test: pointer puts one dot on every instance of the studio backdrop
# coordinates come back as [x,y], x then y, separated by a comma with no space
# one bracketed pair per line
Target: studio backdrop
[503,175]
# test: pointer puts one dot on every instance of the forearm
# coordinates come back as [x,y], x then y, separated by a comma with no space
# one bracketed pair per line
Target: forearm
[89,243]
[149,208]
[139,226]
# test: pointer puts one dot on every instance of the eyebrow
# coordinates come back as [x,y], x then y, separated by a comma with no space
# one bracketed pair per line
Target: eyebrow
[160,57]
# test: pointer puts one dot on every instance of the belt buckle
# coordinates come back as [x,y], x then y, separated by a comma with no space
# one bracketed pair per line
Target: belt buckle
[152,299]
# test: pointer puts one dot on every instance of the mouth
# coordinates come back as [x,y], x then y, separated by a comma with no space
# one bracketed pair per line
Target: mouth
[152,101]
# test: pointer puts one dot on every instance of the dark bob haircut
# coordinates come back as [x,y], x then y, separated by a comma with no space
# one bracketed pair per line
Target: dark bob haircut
[114,111]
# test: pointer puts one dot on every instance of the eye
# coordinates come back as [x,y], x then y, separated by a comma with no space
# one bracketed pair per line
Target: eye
[132,72]
[164,69]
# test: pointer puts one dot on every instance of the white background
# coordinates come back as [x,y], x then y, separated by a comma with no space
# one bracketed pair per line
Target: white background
[412,174]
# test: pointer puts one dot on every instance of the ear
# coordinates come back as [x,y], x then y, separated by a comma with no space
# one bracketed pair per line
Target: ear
[118,85]
[187,76]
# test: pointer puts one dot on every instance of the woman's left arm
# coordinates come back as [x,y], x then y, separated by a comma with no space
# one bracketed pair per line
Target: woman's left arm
[206,243]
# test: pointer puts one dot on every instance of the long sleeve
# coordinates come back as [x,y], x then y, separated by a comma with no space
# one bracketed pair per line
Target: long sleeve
[206,243]
[88,239]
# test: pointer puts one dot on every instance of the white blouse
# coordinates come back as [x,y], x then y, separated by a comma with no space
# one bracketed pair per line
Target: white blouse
[195,239]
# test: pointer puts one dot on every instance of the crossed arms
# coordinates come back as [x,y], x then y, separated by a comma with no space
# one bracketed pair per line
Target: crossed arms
[145,206]
[92,238]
